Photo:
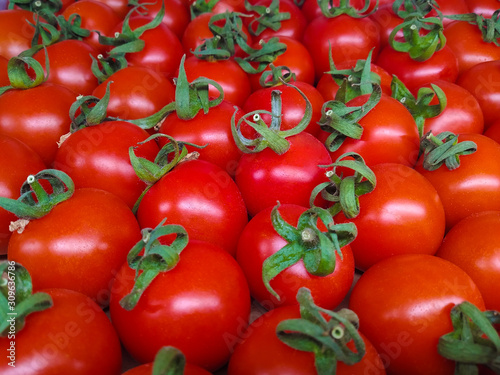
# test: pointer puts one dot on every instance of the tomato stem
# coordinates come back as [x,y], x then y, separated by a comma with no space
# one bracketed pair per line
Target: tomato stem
[269,17]
[169,361]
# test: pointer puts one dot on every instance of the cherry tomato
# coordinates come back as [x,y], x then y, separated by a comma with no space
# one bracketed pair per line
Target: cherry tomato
[386,20]
[266,177]
[198,307]
[404,303]
[472,244]
[17,162]
[200,196]
[402,215]
[261,352]
[259,240]
[176,15]
[79,245]
[473,186]
[16,32]
[74,336]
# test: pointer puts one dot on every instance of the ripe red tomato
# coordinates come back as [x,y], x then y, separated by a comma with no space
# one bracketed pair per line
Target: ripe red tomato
[260,352]
[484,7]
[390,134]
[176,15]
[201,305]
[266,177]
[16,32]
[98,157]
[74,336]
[259,240]
[17,162]
[200,196]
[402,215]
[79,245]
[38,116]
[121,7]
[493,131]
[95,16]
[136,92]
[473,186]
[472,244]
[70,65]
[462,113]
[404,303]
[350,39]
[386,20]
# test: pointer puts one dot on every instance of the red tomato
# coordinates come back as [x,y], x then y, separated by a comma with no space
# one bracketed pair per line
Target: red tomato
[227,73]
[404,303]
[466,42]
[74,336]
[390,134]
[387,20]
[350,39]
[201,304]
[38,117]
[293,105]
[259,240]
[200,196]
[473,186]
[493,131]
[98,157]
[17,162]
[266,177]
[16,32]
[402,215]
[136,92]
[176,15]
[70,65]
[482,81]
[4,77]
[484,7]
[462,113]
[212,129]
[442,65]
[121,7]
[472,244]
[79,245]
[262,353]
[95,16]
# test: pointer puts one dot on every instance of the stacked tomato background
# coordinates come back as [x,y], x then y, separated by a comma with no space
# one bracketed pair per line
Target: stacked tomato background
[262,187]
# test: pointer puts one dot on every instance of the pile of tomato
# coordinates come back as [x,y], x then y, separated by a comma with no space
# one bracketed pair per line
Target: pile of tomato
[250,187]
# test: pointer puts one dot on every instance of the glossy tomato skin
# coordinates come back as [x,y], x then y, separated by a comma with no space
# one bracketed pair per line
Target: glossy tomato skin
[484,7]
[4,77]
[16,31]
[260,352]
[414,74]
[350,39]
[227,73]
[390,134]
[176,16]
[74,336]
[37,117]
[136,92]
[266,177]
[493,131]
[17,162]
[70,65]
[472,244]
[200,196]
[462,113]
[98,157]
[402,215]
[212,130]
[293,105]
[473,186]
[147,368]
[79,245]
[259,240]
[404,303]
[481,80]
[197,307]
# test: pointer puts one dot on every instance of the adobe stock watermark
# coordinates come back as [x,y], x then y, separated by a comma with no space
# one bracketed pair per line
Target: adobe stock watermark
[11,314]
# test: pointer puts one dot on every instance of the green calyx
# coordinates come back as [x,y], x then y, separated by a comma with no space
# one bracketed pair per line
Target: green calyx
[169,361]
[407,8]
[419,107]
[341,121]
[268,136]
[345,7]
[19,76]
[258,59]
[269,17]
[444,148]
[326,338]
[35,202]
[198,7]
[148,258]
[37,6]
[489,27]
[474,340]
[344,192]
[16,298]
[306,242]
[276,76]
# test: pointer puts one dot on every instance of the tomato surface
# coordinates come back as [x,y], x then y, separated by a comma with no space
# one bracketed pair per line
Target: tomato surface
[176,15]
[199,306]
[147,368]
[404,303]
[15,31]
[4,77]
[74,336]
